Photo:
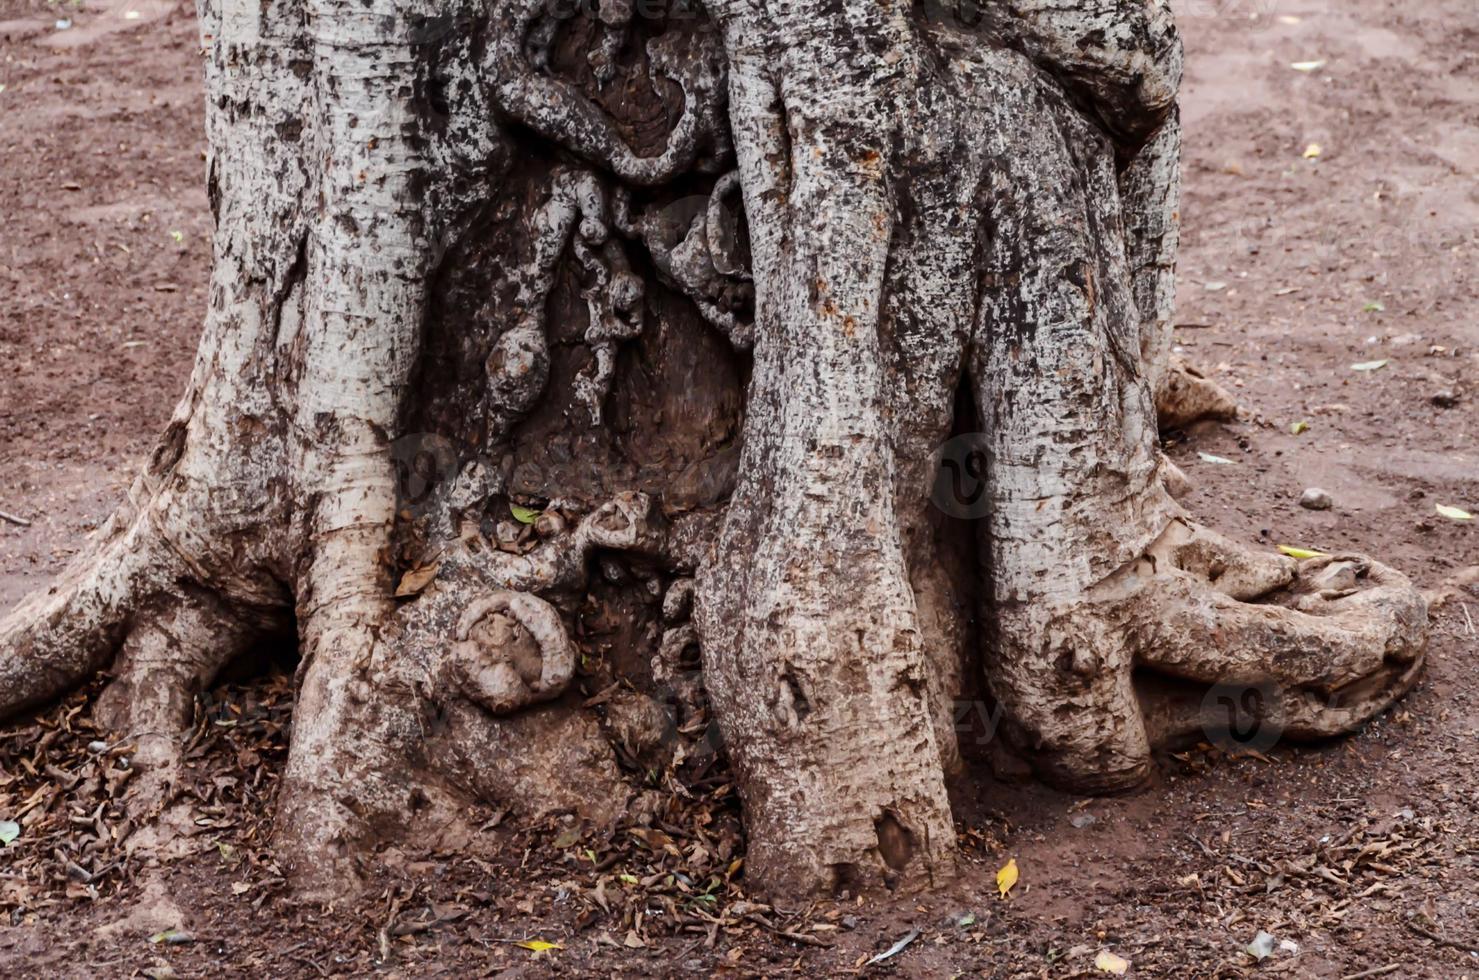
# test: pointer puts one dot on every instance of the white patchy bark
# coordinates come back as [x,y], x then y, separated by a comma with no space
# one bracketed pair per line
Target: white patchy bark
[512,237]
[812,642]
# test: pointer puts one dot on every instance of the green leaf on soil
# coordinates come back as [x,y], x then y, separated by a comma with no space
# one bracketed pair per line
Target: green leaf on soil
[1370,365]
[523,515]
[1454,513]
[9,831]
[1373,307]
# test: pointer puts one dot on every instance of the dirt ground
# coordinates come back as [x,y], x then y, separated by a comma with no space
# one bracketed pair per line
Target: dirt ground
[1330,220]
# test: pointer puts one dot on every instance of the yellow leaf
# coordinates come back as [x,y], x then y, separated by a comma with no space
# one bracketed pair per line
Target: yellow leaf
[1007,877]
[539,945]
[1298,427]
[1454,514]
[1313,150]
[1307,66]
[1300,553]
[1107,962]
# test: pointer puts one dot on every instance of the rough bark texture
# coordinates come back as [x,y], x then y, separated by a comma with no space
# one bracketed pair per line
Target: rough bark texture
[791,366]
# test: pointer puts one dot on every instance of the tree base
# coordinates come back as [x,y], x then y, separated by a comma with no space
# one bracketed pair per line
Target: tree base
[807,397]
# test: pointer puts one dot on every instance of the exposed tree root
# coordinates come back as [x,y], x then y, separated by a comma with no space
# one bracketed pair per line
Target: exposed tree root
[1186,396]
[181,643]
[1327,643]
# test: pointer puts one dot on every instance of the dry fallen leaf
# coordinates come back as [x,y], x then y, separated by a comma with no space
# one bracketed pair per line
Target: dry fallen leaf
[896,948]
[1007,877]
[1262,946]
[417,579]
[1107,962]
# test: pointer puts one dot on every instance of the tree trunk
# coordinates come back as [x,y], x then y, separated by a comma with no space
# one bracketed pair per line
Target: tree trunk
[791,364]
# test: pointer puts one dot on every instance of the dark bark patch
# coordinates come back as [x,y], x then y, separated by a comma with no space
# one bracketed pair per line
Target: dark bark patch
[895,841]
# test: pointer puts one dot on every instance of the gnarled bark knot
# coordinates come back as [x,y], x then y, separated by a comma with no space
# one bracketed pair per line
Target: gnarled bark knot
[511,651]
[687,303]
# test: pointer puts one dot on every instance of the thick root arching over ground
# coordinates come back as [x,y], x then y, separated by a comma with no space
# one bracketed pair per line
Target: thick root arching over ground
[792,371]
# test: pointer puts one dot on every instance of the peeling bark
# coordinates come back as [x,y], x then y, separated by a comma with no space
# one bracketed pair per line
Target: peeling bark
[633,349]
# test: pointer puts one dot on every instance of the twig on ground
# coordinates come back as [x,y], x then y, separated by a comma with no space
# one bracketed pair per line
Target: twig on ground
[1442,940]
[12,518]
[1375,972]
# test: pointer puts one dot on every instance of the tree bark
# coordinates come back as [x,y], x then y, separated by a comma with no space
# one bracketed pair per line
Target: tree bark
[791,364]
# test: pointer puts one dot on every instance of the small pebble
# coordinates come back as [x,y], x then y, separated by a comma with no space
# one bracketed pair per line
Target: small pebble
[1082,820]
[97,748]
[1315,499]
[1446,398]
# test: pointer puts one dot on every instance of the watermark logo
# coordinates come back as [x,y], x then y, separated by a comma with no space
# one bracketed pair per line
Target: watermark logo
[960,485]
[1252,10]
[1243,717]
[425,465]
